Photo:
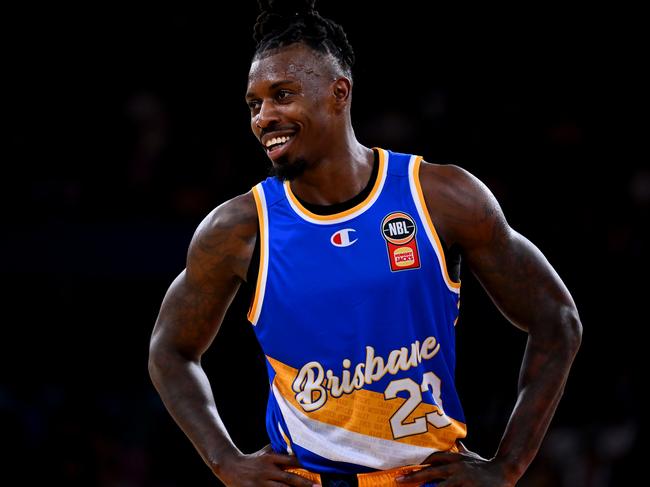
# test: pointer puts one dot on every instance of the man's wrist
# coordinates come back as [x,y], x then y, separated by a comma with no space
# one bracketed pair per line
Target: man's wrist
[220,460]
[511,469]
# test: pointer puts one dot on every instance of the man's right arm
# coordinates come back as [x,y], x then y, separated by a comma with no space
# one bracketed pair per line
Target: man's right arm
[189,319]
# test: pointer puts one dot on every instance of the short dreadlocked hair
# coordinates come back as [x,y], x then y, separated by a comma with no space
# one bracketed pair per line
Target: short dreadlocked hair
[285,22]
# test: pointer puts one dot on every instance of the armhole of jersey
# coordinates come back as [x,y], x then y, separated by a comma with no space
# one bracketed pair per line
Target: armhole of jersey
[263,235]
[425,218]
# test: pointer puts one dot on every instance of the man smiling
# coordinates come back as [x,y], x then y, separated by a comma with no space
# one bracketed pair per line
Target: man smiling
[354,253]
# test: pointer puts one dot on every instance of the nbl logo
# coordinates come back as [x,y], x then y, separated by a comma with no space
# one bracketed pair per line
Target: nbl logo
[399,229]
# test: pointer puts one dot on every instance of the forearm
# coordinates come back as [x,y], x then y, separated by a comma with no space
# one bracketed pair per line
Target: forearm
[187,395]
[544,371]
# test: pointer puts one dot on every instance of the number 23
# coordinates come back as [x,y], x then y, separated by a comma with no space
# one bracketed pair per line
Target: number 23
[437,418]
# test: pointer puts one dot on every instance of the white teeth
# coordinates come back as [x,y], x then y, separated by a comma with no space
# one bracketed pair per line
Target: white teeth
[277,140]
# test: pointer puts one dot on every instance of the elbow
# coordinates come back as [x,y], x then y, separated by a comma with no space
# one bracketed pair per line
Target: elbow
[571,329]
[166,358]
[161,365]
[154,362]
[158,359]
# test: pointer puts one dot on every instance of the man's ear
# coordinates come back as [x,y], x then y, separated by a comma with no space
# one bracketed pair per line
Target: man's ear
[341,91]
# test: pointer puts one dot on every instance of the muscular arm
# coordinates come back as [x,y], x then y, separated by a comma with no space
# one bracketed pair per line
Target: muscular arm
[189,318]
[525,288]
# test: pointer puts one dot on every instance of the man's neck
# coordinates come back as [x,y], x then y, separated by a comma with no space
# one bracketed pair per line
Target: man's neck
[338,177]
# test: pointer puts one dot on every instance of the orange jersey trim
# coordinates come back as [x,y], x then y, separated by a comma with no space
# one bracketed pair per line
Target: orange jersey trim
[256,302]
[429,222]
[326,218]
[382,478]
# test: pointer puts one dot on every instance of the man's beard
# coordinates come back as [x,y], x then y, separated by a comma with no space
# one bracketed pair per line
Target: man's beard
[287,171]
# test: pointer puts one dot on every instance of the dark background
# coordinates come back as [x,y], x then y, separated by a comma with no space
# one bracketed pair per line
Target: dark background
[124,128]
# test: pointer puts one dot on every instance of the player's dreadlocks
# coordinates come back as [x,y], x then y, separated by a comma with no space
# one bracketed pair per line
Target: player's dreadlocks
[285,22]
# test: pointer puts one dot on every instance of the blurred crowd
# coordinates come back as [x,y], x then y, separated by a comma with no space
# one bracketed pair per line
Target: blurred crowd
[112,162]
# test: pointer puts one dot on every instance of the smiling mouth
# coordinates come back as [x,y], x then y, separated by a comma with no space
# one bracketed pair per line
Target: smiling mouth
[277,142]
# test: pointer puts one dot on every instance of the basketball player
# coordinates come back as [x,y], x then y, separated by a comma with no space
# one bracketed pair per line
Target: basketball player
[354,253]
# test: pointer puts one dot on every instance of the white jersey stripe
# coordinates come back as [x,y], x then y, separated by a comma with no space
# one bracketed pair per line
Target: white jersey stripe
[340,445]
[424,219]
[348,214]
[263,235]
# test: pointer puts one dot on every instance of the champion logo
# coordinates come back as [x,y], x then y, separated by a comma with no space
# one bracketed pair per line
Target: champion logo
[342,238]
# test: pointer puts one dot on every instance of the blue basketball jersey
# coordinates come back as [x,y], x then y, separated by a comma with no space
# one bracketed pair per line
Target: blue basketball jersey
[355,313]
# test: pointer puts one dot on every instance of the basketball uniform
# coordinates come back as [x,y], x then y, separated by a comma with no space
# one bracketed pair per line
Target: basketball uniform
[355,312]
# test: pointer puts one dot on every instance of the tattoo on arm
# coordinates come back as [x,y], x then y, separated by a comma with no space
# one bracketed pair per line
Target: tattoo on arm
[217,261]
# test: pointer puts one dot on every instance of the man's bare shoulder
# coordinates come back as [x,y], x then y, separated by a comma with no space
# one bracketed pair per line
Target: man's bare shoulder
[238,213]
[462,207]
[226,236]
[451,184]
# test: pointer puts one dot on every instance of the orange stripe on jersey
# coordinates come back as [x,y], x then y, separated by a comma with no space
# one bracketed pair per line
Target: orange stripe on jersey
[259,204]
[429,222]
[382,478]
[368,412]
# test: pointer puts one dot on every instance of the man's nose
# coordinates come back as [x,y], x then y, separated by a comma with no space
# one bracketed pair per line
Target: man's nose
[267,115]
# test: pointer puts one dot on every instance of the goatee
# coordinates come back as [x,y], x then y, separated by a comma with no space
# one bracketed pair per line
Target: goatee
[287,171]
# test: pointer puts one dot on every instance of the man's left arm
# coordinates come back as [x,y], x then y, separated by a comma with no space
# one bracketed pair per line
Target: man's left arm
[531,295]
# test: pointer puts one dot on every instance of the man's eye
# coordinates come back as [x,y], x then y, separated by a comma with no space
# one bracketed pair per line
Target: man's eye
[283,94]
[254,104]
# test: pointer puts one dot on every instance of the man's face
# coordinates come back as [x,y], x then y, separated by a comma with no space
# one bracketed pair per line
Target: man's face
[290,100]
